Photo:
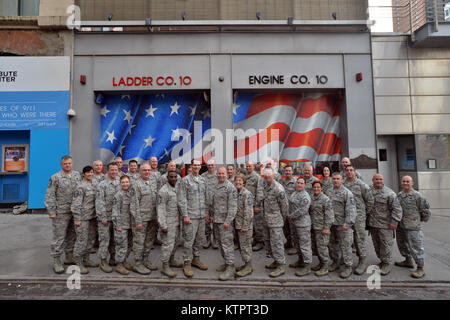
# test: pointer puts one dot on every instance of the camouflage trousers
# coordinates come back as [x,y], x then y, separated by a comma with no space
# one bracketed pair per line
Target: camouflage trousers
[209,229]
[274,243]
[85,238]
[143,239]
[194,238]
[245,244]
[301,237]
[410,244]
[95,242]
[359,235]
[124,243]
[341,245]
[106,240]
[169,241]
[320,245]
[226,243]
[63,234]
[383,240]
[258,227]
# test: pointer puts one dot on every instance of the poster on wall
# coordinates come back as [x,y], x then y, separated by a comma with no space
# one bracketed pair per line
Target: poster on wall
[15,158]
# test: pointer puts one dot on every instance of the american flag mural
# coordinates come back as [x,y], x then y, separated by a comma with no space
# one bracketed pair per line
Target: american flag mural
[307,124]
[141,126]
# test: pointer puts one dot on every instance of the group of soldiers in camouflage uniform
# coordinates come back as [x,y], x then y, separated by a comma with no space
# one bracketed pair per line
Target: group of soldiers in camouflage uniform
[127,212]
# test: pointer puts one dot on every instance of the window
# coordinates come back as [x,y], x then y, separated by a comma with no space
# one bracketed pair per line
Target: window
[433,147]
[406,153]
[19,7]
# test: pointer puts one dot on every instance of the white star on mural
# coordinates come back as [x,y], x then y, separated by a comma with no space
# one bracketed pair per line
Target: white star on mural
[150,111]
[132,126]
[235,107]
[125,96]
[174,108]
[149,142]
[192,111]
[206,114]
[104,111]
[176,134]
[127,115]
[111,137]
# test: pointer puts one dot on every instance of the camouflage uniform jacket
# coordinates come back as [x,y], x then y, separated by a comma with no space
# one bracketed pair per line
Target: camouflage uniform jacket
[244,213]
[192,197]
[125,207]
[104,198]
[252,184]
[289,186]
[83,203]
[309,183]
[61,187]
[363,196]
[223,205]
[415,209]
[386,210]
[164,179]
[210,181]
[299,203]
[344,206]
[327,185]
[146,193]
[321,212]
[168,211]
[275,204]
[96,179]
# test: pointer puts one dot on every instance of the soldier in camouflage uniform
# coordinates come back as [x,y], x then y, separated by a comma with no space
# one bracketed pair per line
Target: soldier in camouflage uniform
[125,211]
[327,183]
[271,164]
[275,208]
[344,163]
[253,185]
[103,206]
[409,232]
[230,172]
[119,162]
[341,237]
[309,178]
[58,199]
[96,179]
[300,224]
[222,209]
[364,203]
[289,185]
[382,220]
[210,180]
[144,238]
[98,175]
[171,166]
[133,171]
[154,167]
[322,218]
[169,222]
[243,224]
[83,209]
[192,202]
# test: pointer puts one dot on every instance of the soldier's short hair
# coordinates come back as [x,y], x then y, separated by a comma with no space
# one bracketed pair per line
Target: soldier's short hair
[268,169]
[349,166]
[131,161]
[240,176]
[66,157]
[302,178]
[170,171]
[87,169]
[318,182]
[336,173]
[289,166]
[230,165]
[124,177]
[111,164]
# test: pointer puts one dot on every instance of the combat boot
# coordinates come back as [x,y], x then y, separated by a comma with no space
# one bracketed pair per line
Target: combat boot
[79,263]
[120,268]
[221,268]
[239,268]
[304,271]
[298,264]
[334,266]
[105,267]
[167,271]
[148,265]
[272,265]
[69,258]
[215,244]
[385,269]
[174,263]
[419,273]
[361,267]
[279,271]
[140,268]
[89,263]
[57,266]
[128,266]
[198,264]
[187,270]
[228,274]
[258,246]
[407,263]
[346,272]
[317,267]
[207,243]
[112,261]
[322,271]
[245,270]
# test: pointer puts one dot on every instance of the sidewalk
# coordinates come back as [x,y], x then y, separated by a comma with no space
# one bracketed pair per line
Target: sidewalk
[25,242]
